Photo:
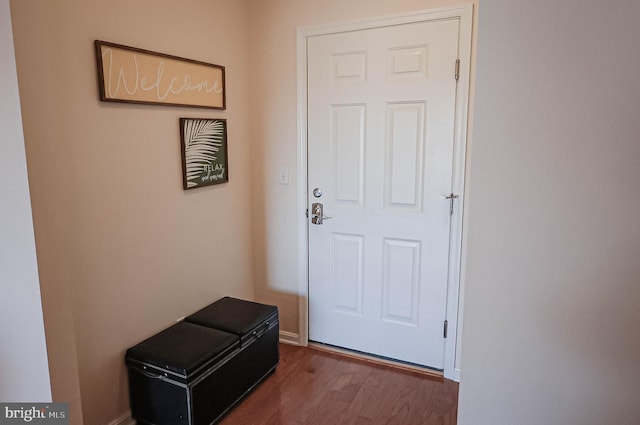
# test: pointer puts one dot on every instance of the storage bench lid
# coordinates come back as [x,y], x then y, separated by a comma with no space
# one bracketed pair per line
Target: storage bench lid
[234,315]
[184,348]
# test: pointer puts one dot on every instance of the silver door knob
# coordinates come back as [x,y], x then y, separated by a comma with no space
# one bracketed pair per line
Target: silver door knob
[317,210]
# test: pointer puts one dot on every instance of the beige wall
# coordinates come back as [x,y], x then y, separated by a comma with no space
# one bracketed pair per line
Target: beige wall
[273,85]
[123,251]
[551,332]
[23,352]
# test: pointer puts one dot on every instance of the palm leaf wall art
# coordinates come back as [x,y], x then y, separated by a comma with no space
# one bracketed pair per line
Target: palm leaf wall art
[204,152]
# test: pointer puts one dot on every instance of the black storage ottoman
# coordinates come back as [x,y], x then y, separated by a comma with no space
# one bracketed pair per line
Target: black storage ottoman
[257,328]
[180,376]
[195,371]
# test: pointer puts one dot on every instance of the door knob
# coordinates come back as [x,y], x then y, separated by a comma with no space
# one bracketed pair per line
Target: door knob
[317,211]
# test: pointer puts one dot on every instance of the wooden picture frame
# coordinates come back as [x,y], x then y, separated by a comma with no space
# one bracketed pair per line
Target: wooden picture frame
[131,75]
[204,152]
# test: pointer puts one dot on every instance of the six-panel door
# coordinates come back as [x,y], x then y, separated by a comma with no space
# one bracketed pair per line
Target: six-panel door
[381,106]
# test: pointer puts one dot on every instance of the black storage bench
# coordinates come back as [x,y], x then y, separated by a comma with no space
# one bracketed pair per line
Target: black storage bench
[195,371]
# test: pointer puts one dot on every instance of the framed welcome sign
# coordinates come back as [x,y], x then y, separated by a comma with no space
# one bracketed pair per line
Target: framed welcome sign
[127,74]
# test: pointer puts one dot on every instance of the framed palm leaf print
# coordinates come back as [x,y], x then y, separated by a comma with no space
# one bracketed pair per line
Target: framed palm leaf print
[204,152]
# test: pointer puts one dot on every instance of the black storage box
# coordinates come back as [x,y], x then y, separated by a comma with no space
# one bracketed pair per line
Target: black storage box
[195,371]
[257,328]
[180,376]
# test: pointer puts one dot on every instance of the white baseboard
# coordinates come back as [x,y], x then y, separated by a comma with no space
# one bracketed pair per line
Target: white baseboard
[125,419]
[289,338]
[456,374]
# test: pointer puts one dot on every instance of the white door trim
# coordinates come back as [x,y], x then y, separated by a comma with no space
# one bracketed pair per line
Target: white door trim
[465,14]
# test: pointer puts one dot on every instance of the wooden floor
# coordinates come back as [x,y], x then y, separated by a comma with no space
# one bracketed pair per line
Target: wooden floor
[312,387]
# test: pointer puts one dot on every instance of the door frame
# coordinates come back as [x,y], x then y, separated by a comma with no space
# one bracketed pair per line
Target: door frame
[464,13]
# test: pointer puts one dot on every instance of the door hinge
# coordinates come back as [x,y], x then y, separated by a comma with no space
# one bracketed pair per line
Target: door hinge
[450,197]
[446,326]
[457,74]
[307,213]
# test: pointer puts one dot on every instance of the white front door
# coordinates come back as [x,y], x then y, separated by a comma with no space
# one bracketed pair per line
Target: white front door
[381,112]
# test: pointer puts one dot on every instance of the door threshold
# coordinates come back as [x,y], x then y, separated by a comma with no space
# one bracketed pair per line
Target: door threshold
[358,355]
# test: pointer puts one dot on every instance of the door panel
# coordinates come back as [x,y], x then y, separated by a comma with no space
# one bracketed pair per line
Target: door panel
[381,108]
[404,154]
[347,141]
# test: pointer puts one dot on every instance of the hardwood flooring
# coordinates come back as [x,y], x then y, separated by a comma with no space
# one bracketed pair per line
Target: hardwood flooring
[312,387]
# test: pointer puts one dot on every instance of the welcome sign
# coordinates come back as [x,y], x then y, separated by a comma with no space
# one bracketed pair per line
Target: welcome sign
[128,74]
